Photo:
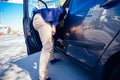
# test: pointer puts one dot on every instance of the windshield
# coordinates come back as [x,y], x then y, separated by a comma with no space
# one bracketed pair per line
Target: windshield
[50,3]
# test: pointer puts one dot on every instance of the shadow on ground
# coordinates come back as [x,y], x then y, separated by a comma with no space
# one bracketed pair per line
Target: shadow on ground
[27,69]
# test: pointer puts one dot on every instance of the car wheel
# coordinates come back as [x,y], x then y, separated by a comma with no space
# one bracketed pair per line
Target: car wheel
[112,72]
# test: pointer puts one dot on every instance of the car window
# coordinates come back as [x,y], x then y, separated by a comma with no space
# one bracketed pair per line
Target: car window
[50,3]
[80,7]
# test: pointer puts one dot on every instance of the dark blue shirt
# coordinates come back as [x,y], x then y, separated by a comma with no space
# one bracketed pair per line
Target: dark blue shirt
[49,14]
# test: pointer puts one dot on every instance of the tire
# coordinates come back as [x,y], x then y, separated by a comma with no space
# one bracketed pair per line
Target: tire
[112,72]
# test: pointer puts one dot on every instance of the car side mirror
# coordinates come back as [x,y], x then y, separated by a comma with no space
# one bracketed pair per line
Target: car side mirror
[109,4]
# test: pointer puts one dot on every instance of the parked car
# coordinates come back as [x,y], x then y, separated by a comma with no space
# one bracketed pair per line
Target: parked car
[91,35]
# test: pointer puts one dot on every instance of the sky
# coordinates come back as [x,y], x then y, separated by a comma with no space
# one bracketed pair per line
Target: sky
[11,14]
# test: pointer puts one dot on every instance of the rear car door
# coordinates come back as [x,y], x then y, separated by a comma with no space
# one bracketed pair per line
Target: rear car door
[88,37]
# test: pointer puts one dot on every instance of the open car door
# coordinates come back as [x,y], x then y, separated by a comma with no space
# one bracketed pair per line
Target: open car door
[32,39]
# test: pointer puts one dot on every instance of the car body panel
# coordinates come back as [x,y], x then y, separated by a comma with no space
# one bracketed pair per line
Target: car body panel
[99,25]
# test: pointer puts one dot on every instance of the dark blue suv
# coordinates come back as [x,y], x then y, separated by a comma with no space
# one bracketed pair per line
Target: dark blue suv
[91,35]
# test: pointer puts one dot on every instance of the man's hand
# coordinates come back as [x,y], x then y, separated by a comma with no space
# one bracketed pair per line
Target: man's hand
[53,30]
[61,23]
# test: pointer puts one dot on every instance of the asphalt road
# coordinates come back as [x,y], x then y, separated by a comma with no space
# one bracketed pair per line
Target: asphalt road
[12,48]
[16,65]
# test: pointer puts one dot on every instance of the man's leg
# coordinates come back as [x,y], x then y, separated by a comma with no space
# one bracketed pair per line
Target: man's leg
[45,32]
[46,38]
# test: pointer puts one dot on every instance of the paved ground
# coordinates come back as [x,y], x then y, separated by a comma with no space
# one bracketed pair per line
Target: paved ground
[12,48]
[16,65]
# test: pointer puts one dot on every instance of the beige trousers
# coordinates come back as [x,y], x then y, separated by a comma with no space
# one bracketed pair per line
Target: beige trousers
[45,32]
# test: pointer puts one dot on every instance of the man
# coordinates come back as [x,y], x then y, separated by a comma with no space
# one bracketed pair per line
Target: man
[44,21]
